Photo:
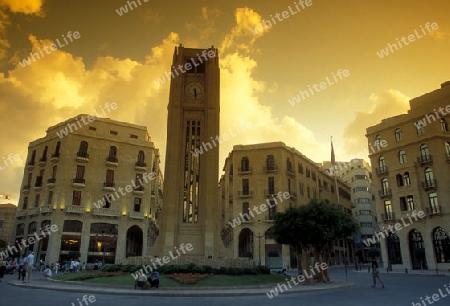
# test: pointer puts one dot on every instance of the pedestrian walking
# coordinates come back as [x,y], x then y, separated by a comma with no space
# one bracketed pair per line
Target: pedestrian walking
[30,263]
[376,274]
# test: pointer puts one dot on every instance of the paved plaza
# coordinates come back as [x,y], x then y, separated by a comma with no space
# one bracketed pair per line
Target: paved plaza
[401,289]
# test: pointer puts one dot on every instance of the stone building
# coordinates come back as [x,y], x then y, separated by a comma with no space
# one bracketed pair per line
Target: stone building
[412,175]
[281,177]
[100,183]
[357,173]
[7,220]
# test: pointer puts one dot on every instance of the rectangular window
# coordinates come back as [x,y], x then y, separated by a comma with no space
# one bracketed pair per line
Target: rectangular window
[308,192]
[403,206]
[76,198]
[113,132]
[25,203]
[388,210]
[133,136]
[272,210]
[80,172]
[360,177]
[246,211]
[91,128]
[301,186]
[50,198]
[137,204]
[410,202]
[271,185]
[434,205]
[108,200]
[308,173]
[37,200]
[109,178]
[138,181]
[245,187]
[1,223]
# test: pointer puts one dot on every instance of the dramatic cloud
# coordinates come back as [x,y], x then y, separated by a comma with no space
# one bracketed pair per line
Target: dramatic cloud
[384,105]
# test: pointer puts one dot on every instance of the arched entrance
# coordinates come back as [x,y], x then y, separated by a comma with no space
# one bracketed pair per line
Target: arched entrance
[134,241]
[245,243]
[417,250]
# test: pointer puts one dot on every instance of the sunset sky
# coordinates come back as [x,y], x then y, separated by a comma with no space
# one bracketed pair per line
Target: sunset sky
[117,58]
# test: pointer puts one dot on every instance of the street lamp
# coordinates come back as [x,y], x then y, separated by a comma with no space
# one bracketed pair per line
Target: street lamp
[259,236]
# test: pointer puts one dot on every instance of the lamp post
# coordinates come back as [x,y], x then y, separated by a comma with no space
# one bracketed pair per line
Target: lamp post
[259,236]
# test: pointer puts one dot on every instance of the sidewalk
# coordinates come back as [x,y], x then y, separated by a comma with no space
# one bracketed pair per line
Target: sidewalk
[40,283]
[400,271]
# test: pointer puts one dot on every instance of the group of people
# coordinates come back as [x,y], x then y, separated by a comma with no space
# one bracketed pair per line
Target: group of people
[152,279]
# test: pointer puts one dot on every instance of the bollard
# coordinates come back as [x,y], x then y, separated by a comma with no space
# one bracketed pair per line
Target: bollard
[406,270]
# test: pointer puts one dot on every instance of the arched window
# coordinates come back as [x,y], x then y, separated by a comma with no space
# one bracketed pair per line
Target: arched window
[32,228]
[399,179]
[402,157]
[288,165]
[398,135]
[141,159]
[245,164]
[112,157]
[444,126]
[407,179]
[419,128]
[82,151]
[382,165]
[385,186]
[394,250]
[429,174]
[441,242]
[378,140]
[424,152]
[245,243]
[417,250]
[270,162]
[447,149]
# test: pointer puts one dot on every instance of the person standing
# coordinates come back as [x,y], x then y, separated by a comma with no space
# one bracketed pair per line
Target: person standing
[30,263]
[20,266]
[376,274]
[2,268]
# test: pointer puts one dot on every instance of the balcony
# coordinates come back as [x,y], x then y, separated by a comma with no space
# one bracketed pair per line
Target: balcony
[75,209]
[55,157]
[429,185]
[46,209]
[21,213]
[139,165]
[106,212]
[108,186]
[385,193]
[382,170]
[433,211]
[270,192]
[112,161]
[243,171]
[82,157]
[33,211]
[26,189]
[51,182]
[42,161]
[139,190]
[30,165]
[293,195]
[270,218]
[425,160]
[272,169]
[388,216]
[230,199]
[136,215]
[290,172]
[245,194]
[38,184]
[79,182]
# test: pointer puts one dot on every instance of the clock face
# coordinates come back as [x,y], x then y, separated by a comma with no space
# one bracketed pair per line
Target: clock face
[194,90]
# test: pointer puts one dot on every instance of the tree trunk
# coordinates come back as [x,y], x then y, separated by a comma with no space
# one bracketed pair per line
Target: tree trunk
[326,259]
[306,263]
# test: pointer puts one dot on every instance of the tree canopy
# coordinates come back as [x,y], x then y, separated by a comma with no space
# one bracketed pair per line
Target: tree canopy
[313,228]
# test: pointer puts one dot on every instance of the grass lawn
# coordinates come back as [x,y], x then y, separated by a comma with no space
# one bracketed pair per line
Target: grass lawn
[212,281]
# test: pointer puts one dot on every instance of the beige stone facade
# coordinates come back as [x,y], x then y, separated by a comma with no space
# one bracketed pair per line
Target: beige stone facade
[412,174]
[100,183]
[7,220]
[192,155]
[357,173]
[281,177]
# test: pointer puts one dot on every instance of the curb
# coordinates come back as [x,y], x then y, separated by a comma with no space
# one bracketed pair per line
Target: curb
[172,292]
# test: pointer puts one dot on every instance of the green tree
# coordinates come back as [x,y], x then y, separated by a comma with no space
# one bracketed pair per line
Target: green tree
[314,228]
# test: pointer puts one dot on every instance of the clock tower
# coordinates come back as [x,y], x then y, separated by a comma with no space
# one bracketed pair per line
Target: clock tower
[190,206]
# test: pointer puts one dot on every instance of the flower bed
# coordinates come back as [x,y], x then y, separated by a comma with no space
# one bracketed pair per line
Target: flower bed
[188,278]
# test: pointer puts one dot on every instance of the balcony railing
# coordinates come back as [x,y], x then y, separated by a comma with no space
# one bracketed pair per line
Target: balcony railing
[388,216]
[30,164]
[42,161]
[26,188]
[76,209]
[140,164]
[22,213]
[112,161]
[290,172]
[385,193]
[108,184]
[106,212]
[425,159]
[138,190]
[382,170]
[245,194]
[136,215]
[38,182]
[33,211]
[270,169]
[293,195]
[270,192]
[79,181]
[433,210]
[46,209]
[429,184]
[246,170]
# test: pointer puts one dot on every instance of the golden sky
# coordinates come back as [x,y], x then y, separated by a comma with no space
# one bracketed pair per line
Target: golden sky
[117,58]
